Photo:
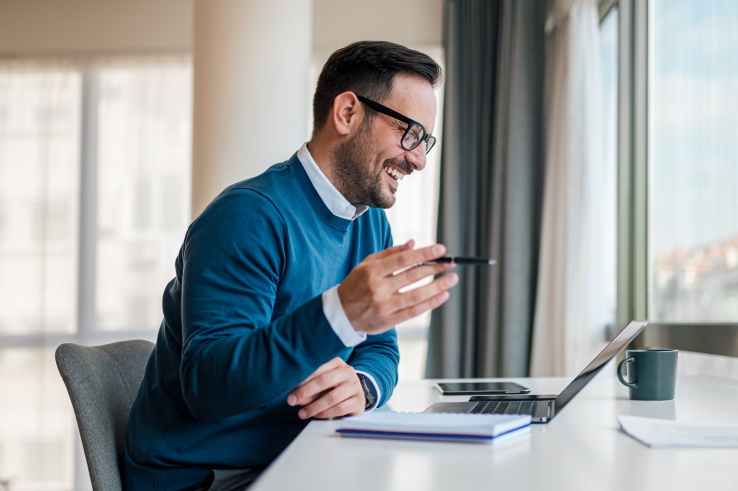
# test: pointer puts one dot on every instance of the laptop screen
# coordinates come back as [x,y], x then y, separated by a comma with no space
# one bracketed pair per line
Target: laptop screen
[611,350]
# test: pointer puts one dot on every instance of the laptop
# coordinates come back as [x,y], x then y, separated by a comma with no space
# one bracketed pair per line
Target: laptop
[543,408]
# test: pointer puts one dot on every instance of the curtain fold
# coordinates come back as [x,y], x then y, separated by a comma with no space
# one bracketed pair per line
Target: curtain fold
[570,292]
[491,175]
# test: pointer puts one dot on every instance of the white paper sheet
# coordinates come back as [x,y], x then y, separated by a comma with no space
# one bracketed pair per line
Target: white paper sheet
[663,433]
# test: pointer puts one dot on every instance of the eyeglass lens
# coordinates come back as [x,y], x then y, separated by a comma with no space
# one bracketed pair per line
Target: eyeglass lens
[414,135]
[429,143]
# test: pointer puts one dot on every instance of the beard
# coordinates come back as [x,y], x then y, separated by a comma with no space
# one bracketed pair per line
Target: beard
[358,170]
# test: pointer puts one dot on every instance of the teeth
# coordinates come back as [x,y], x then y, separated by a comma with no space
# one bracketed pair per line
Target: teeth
[394,173]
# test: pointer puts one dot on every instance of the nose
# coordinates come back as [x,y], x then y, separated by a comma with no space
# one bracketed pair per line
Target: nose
[416,157]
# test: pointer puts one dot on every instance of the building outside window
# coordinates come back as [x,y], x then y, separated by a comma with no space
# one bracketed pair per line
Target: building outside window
[693,161]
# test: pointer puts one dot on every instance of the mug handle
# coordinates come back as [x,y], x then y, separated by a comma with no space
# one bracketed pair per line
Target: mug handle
[620,373]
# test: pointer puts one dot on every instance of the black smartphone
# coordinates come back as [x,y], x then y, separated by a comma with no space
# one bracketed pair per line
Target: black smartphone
[477,388]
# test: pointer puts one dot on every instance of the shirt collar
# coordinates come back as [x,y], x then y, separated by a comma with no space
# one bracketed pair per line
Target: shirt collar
[332,197]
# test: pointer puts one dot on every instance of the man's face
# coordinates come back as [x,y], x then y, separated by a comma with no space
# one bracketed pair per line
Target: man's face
[366,165]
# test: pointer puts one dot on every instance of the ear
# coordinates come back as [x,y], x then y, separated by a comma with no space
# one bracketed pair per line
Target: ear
[347,113]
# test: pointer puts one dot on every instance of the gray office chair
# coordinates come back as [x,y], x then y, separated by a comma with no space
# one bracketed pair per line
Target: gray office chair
[103,382]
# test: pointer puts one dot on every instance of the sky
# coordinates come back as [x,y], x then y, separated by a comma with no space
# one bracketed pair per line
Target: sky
[693,119]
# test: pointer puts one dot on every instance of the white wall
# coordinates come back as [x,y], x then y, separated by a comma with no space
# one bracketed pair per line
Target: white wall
[111,26]
[251,66]
[337,23]
[30,27]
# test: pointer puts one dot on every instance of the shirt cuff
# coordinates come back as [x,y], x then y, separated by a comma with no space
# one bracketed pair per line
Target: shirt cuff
[372,384]
[339,322]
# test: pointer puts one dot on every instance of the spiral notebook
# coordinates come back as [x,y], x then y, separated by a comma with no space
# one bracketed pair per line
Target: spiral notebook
[468,428]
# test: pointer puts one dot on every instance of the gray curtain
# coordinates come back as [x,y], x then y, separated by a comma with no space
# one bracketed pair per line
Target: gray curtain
[491,186]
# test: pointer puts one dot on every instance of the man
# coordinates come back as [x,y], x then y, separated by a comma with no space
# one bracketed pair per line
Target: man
[287,286]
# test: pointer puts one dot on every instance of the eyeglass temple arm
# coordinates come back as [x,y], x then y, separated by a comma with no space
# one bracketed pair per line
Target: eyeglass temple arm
[389,112]
[385,110]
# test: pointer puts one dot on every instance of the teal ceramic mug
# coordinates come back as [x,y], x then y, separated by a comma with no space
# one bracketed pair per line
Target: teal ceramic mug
[652,374]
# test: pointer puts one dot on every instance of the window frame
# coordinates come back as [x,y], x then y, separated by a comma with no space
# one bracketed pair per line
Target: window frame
[632,206]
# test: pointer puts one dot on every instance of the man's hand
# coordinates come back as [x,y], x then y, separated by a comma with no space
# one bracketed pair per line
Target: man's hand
[333,390]
[370,294]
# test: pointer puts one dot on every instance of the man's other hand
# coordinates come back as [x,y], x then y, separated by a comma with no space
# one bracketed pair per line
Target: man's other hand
[370,294]
[333,390]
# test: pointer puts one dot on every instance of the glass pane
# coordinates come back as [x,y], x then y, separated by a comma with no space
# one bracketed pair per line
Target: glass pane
[39,206]
[143,187]
[693,146]
[430,143]
[412,136]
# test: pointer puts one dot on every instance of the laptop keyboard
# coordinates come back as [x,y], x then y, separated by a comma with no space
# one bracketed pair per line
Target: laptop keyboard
[502,407]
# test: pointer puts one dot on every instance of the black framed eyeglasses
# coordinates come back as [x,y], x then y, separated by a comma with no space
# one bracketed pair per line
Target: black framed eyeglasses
[415,133]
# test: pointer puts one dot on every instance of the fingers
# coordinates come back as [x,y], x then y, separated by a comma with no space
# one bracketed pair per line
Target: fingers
[350,407]
[406,258]
[337,372]
[325,367]
[369,293]
[417,273]
[419,295]
[340,401]
[312,398]
[415,310]
[332,390]
[393,250]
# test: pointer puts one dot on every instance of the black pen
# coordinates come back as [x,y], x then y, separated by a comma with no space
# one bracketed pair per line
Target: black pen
[463,260]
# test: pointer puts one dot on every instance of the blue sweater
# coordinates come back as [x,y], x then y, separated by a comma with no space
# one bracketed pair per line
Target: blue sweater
[243,324]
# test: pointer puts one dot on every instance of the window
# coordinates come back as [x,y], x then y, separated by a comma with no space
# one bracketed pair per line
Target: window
[677,176]
[693,161]
[94,204]
[39,197]
[143,195]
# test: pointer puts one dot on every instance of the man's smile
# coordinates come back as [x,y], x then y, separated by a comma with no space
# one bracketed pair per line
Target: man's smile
[394,172]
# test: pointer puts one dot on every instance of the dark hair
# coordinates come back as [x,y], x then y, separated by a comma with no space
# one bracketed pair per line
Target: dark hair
[368,68]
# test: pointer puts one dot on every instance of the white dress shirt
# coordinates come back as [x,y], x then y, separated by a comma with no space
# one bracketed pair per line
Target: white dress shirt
[332,308]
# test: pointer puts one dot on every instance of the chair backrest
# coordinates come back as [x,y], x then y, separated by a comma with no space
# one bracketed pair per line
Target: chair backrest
[103,382]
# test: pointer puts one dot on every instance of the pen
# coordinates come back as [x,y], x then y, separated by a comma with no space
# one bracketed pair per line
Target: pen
[463,260]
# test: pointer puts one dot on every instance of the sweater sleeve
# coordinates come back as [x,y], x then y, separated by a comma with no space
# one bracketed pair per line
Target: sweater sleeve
[379,355]
[234,357]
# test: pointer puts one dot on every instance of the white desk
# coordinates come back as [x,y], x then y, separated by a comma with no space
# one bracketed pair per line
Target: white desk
[582,448]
